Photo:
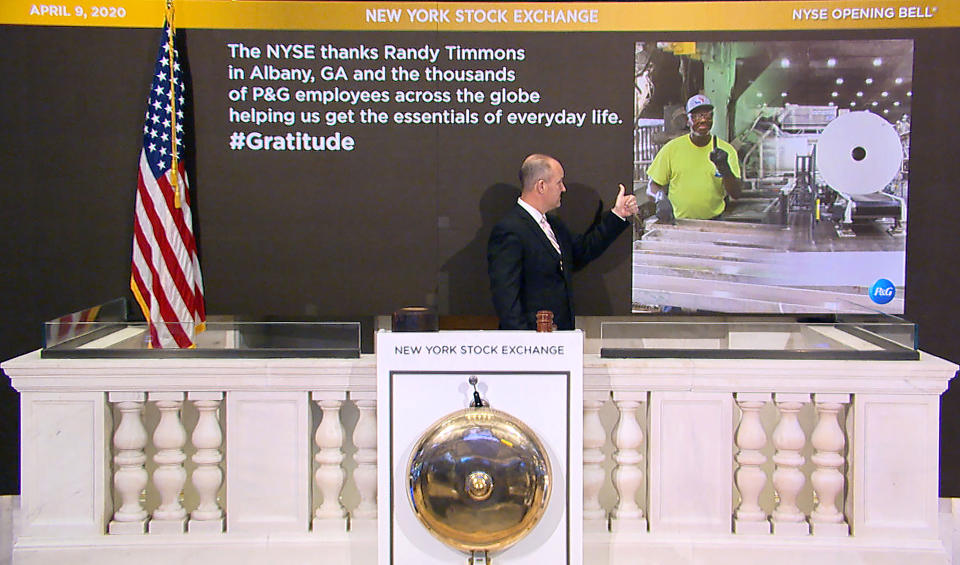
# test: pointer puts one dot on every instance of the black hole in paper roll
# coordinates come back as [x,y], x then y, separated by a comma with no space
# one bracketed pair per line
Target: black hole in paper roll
[858,153]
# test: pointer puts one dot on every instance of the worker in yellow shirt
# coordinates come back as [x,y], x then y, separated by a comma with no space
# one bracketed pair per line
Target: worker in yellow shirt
[691,174]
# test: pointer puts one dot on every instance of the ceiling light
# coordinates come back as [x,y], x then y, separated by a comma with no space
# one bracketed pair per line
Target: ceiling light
[839,80]
[877,62]
[830,103]
[909,93]
[868,81]
[898,80]
[896,103]
[874,103]
[759,94]
[884,94]
[859,94]
[886,110]
[783,95]
[831,62]
[784,63]
[834,94]
[853,104]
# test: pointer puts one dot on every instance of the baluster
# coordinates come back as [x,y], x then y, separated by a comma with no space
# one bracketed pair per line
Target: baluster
[329,476]
[365,475]
[130,477]
[628,473]
[169,477]
[788,479]
[749,517]
[827,479]
[594,437]
[207,477]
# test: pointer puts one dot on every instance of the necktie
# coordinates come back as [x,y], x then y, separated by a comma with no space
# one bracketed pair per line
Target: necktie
[549,231]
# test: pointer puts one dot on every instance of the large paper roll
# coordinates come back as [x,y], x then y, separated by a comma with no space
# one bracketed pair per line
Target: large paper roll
[859,153]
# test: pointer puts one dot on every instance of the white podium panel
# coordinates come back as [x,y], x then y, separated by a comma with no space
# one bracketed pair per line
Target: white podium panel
[895,489]
[535,377]
[690,477]
[64,430]
[268,455]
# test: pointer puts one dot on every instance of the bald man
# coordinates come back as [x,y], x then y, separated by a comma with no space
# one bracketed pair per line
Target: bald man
[531,256]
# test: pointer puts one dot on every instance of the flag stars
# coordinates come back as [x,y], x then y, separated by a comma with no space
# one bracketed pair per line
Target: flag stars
[162,130]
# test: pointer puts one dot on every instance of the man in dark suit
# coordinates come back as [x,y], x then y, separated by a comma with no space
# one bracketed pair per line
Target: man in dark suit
[531,257]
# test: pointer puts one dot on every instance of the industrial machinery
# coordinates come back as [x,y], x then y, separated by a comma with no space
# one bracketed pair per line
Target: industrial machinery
[846,171]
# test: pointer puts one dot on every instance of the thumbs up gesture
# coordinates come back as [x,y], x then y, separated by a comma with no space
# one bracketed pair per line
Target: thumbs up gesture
[626,204]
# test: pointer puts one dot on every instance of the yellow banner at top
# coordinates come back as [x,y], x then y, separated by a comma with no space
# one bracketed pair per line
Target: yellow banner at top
[492,16]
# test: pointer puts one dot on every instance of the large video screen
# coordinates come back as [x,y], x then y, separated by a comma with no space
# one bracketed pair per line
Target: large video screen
[821,130]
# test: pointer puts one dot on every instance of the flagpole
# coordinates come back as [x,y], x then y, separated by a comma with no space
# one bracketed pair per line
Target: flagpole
[174,169]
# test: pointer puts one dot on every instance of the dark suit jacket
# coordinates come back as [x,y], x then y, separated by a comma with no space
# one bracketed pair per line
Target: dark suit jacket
[525,270]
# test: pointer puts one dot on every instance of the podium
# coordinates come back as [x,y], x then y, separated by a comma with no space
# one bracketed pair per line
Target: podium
[535,377]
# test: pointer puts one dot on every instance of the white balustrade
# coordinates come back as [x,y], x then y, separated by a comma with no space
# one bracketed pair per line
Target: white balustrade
[169,477]
[594,437]
[788,478]
[207,477]
[130,477]
[250,500]
[365,475]
[629,472]
[829,440]
[329,475]
[750,477]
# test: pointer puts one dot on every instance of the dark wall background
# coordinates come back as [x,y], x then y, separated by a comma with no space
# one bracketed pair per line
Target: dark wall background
[402,220]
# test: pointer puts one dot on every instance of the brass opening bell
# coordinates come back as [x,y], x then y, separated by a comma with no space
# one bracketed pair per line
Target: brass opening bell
[479,479]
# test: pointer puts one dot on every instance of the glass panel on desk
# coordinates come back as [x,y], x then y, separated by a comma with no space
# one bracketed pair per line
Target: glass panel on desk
[767,337]
[221,338]
[77,324]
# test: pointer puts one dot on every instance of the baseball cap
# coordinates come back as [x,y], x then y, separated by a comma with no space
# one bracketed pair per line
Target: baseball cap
[698,101]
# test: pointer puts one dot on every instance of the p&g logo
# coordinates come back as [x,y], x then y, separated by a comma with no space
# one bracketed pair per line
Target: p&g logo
[882,291]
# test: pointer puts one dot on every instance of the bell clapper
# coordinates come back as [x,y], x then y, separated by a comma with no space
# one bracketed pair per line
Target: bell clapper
[478,558]
[477,401]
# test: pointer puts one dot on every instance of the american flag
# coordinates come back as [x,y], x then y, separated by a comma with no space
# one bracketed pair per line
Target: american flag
[165,276]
